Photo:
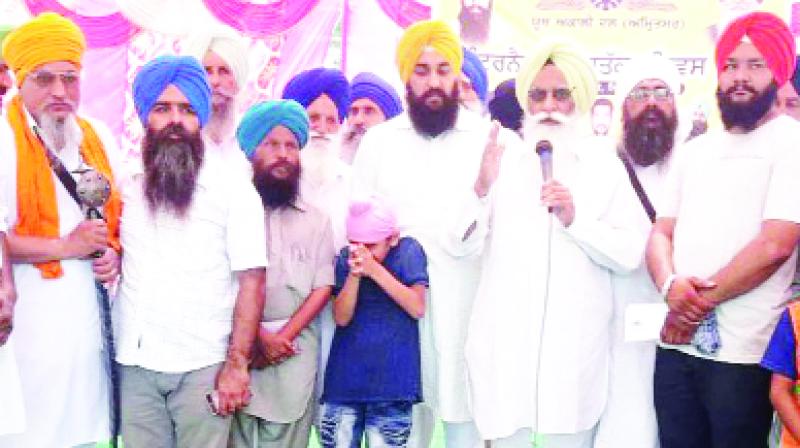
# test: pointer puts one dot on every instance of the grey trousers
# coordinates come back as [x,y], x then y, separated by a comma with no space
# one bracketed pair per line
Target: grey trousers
[169,410]
[249,431]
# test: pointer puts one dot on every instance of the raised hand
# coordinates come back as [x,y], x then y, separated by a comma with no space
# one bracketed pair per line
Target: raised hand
[490,163]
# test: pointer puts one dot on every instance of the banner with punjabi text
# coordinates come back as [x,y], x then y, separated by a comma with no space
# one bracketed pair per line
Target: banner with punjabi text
[610,31]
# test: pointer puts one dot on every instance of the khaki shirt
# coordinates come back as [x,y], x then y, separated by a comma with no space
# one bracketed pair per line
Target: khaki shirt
[300,246]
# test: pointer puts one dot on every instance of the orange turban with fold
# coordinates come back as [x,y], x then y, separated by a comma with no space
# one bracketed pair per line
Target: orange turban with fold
[47,37]
[435,34]
[770,35]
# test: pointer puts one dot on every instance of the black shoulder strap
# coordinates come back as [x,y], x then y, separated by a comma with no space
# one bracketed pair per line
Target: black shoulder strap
[637,186]
[63,175]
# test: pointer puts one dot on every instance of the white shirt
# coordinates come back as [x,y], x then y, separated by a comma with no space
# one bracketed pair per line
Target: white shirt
[12,413]
[325,183]
[230,152]
[722,188]
[629,418]
[65,390]
[568,385]
[174,310]
[425,179]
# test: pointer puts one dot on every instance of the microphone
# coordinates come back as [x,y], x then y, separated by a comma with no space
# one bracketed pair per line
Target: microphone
[545,150]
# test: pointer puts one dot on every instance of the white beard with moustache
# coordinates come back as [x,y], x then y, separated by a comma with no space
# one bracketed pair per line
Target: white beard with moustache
[573,132]
[222,123]
[60,134]
[320,159]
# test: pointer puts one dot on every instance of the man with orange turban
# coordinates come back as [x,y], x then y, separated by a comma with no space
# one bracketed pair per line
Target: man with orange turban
[57,333]
[425,162]
[722,251]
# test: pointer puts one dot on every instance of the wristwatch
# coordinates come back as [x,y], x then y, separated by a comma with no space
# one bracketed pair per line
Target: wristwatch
[667,284]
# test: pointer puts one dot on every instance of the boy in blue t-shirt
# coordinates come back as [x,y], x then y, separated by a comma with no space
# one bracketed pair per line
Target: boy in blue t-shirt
[781,359]
[373,374]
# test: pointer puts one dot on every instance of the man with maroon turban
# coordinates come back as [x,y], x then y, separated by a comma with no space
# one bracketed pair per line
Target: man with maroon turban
[722,251]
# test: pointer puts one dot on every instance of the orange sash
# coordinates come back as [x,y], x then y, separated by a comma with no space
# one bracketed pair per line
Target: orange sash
[37,210]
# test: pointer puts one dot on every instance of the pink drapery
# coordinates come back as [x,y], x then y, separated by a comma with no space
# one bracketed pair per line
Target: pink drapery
[307,43]
[405,12]
[103,31]
[259,20]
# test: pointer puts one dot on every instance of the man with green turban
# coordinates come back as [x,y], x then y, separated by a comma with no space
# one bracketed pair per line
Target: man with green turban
[537,343]
[299,282]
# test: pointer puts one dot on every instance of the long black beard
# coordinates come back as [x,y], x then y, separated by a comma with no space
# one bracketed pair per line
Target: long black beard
[171,166]
[745,115]
[647,145]
[432,122]
[277,192]
[475,26]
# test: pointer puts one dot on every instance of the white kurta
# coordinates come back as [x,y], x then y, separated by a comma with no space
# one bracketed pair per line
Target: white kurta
[568,386]
[12,412]
[425,179]
[57,338]
[630,418]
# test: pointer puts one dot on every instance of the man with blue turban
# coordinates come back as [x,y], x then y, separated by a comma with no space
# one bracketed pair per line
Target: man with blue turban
[325,93]
[474,83]
[545,323]
[789,95]
[325,182]
[504,106]
[299,281]
[192,295]
[372,101]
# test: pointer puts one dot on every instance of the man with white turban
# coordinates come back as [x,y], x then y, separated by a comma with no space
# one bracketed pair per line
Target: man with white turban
[424,162]
[224,57]
[646,95]
[537,343]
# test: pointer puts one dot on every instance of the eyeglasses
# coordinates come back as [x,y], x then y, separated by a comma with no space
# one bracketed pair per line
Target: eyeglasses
[44,79]
[645,93]
[560,94]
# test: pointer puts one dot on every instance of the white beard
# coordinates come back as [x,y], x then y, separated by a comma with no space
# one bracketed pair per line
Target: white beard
[571,130]
[320,160]
[58,135]
[221,124]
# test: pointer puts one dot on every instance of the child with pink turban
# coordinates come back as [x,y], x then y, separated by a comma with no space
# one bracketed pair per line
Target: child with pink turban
[373,374]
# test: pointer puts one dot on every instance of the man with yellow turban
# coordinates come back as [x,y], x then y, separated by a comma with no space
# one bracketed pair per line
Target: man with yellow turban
[44,145]
[538,341]
[424,162]
[722,253]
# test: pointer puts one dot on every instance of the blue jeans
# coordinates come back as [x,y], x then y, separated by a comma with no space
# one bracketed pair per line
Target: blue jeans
[710,404]
[387,424]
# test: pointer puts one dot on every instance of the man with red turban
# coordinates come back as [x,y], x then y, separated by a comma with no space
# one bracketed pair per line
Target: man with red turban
[722,251]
